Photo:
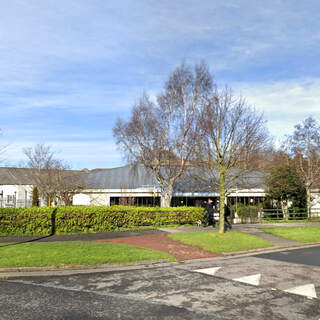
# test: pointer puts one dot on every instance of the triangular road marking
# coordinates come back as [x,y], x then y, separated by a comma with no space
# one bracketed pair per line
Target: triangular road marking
[210,271]
[254,279]
[306,290]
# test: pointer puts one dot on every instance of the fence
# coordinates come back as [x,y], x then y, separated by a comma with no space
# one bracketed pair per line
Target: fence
[293,214]
[254,214]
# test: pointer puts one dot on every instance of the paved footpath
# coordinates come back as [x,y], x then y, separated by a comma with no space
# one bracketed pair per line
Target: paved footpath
[255,229]
[249,228]
[79,236]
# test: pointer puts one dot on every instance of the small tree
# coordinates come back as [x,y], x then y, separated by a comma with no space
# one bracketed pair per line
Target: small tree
[286,186]
[35,196]
[53,177]
[231,135]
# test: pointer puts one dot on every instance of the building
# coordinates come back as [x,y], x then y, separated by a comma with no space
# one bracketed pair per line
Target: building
[136,185]
[15,187]
[130,185]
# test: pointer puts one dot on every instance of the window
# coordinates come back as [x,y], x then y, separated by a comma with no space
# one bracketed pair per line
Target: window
[10,198]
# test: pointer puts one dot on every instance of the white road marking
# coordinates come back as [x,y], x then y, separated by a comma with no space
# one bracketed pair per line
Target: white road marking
[308,290]
[253,279]
[209,271]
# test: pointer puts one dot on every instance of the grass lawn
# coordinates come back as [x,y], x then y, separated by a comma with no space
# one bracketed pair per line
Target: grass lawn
[73,253]
[300,234]
[290,221]
[214,242]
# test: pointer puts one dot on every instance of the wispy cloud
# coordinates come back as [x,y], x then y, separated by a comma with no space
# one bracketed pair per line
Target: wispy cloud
[68,69]
[284,103]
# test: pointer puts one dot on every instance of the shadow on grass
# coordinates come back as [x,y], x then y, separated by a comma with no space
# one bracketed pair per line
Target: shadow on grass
[52,233]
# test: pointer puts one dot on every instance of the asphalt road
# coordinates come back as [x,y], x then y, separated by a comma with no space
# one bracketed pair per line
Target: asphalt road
[307,256]
[170,291]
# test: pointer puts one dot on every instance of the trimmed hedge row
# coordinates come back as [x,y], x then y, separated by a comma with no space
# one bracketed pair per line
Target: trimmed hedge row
[44,221]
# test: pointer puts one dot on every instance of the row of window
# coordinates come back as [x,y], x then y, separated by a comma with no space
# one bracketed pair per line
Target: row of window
[182,201]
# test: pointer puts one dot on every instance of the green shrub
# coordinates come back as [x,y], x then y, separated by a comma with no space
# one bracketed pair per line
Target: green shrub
[35,197]
[246,213]
[42,221]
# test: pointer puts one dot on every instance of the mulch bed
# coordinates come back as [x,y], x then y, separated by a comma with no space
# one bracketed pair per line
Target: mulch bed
[162,242]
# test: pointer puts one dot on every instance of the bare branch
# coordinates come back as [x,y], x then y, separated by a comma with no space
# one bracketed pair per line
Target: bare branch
[53,177]
[161,135]
[232,133]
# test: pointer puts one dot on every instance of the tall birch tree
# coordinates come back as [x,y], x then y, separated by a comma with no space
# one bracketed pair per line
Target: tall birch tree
[161,133]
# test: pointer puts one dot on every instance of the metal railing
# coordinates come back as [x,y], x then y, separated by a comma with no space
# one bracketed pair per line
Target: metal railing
[15,203]
[292,214]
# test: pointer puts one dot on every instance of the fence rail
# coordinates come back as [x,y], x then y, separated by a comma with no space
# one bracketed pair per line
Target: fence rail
[293,214]
[15,203]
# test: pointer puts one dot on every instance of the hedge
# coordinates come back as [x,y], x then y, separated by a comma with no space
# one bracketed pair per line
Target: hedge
[46,220]
[247,214]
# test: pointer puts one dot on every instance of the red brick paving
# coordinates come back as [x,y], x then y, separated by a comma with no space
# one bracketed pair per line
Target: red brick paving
[162,242]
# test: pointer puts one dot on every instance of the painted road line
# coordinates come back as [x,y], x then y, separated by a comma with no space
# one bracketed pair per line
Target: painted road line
[253,279]
[209,271]
[308,290]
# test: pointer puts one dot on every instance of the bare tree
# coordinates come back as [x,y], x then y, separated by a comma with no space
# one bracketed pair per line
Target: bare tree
[232,135]
[161,134]
[68,182]
[304,147]
[53,177]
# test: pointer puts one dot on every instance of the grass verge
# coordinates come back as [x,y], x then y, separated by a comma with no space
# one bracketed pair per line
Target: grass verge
[73,253]
[214,242]
[300,234]
[290,221]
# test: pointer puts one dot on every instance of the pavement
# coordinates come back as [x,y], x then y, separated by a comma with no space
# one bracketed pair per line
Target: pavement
[255,229]
[177,291]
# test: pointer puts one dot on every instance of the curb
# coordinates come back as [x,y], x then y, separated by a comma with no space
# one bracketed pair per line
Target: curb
[15,273]
[267,250]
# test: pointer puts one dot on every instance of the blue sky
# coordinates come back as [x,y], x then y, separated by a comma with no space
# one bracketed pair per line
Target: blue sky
[69,68]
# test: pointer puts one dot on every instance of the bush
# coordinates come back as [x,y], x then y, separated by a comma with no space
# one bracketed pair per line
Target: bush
[35,197]
[247,214]
[42,221]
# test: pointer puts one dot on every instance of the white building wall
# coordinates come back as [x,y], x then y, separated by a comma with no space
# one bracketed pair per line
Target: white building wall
[101,197]
[15,195]
[81,199]
[315,204]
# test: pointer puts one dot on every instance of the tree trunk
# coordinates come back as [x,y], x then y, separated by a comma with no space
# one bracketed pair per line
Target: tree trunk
[285,211]
[222,199]
[166,198]
[221,215]
[308,189]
